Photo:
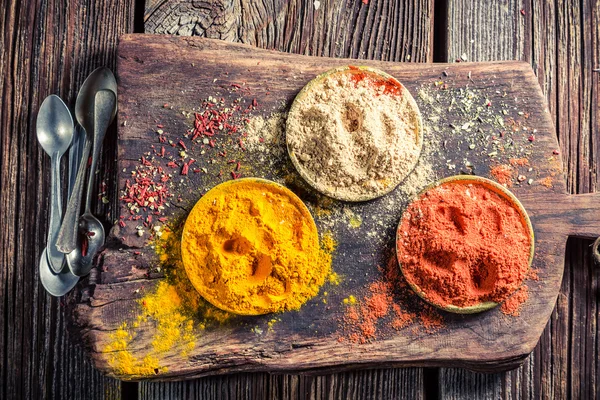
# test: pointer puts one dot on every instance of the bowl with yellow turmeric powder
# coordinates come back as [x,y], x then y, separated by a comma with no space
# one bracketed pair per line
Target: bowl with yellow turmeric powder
[251,247]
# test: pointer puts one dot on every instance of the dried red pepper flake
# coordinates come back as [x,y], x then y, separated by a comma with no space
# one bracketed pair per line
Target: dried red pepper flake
[172,164]
[531,138]
[237,168]
[162,219]
[84,245]
[182,145]
[522,11]
[160,126]
[365,2]
[137,253]
[254,103]
[122,224]
[556,152]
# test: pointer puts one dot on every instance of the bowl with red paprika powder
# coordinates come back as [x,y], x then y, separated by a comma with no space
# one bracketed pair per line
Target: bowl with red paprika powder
[465,244]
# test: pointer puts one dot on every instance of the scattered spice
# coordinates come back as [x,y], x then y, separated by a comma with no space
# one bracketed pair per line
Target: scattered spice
[514,304]
[547,182]
[388,305]
[519,162]
[452,245]
[503,174]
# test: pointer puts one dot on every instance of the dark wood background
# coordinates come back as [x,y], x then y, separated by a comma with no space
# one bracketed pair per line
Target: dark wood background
[49,46]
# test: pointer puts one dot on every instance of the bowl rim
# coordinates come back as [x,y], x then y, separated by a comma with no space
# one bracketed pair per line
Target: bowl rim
[354,198]
[297,201]
[500,190]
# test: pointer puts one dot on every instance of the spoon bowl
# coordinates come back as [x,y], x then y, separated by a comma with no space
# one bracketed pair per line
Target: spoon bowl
[57,284]
[54,126]
[100,79]
[89,241]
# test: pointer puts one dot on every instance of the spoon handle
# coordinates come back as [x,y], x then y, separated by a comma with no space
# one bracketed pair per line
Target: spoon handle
[74,153]
[104,105]
[67,236]
[55,257]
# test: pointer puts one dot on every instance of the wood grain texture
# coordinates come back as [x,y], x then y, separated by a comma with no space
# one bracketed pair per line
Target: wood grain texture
[46,47]
[391,383]
[392,30]
[560,40]
[487,341]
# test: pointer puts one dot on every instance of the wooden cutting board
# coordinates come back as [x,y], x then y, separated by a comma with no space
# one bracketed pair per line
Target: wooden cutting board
[160,77]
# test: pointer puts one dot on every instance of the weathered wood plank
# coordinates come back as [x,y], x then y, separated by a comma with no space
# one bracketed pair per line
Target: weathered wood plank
[390,30]
[372,384]
[397,29]
[560,39]
[47,47]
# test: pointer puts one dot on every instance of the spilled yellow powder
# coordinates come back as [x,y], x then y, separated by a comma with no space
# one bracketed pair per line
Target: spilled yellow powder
[251,247]
[334,279]
[354,220]
[173,326]
[350,300]
[123,361]
[271,323]
[170,309]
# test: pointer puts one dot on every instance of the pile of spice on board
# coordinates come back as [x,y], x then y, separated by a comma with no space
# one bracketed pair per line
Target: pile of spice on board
[354,133]
[452,245]
[384,307]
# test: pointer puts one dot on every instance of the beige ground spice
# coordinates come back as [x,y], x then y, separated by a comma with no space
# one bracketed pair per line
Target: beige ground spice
[351,139]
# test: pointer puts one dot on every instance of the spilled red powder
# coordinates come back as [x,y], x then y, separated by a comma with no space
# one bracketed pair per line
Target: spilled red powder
[453,244]
[512,305]
[547,181]
[431,320]
[402,318]
[519,162]
[503,174]
[387,305]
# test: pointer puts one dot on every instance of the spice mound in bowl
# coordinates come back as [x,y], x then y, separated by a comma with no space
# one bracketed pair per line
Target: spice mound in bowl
[251,247]
[354,133]
[465,244]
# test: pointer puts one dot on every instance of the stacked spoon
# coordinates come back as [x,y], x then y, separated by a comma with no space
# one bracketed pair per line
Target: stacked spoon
[73,243]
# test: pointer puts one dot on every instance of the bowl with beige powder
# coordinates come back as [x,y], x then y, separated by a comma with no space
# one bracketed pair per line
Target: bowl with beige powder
[354,133]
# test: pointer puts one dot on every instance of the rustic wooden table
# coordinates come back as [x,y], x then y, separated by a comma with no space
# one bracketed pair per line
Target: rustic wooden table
[50,46]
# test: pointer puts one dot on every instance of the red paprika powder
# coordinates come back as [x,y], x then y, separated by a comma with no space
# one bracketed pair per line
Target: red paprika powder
[463,244]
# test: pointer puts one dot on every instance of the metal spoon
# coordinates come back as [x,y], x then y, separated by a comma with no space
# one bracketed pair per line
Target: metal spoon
[101,78]
[59,284]
[54,128]
[91,231]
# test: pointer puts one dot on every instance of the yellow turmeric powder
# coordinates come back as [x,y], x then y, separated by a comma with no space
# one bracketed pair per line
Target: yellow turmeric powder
[251,247]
